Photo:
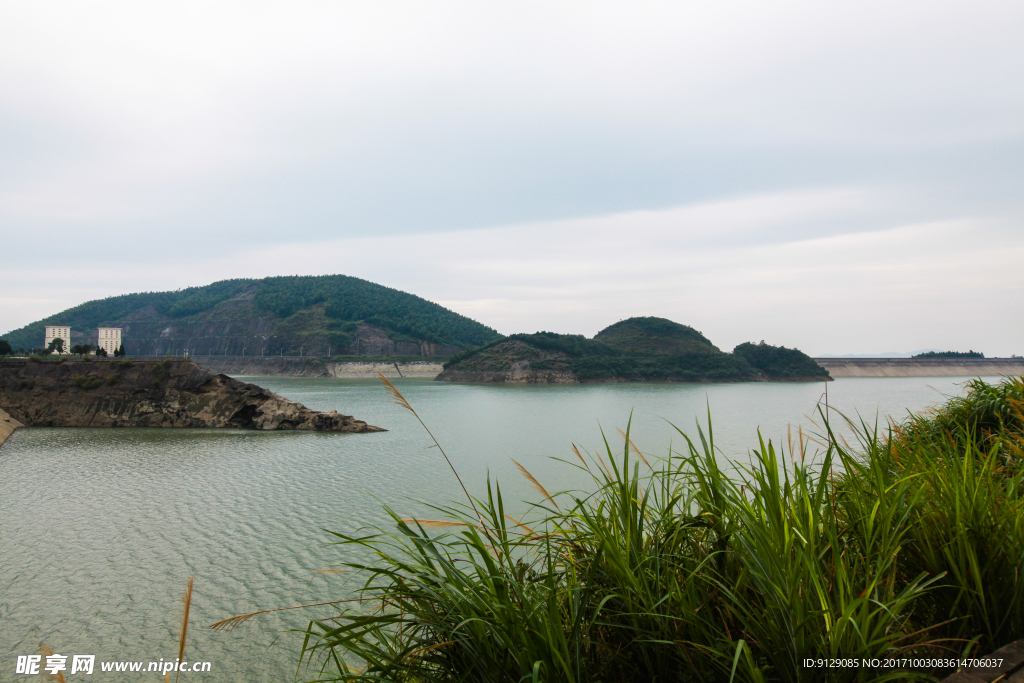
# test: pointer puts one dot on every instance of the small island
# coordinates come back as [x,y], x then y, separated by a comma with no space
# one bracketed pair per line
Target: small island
[634,350]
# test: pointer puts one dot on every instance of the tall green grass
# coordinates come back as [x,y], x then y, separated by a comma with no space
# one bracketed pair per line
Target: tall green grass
[908,543]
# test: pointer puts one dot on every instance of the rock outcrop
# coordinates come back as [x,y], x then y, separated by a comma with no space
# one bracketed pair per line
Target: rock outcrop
[170,393]
[7,426]
[513,362]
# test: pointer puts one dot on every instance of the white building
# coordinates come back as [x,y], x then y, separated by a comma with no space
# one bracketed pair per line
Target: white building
[58,332]
[108,339]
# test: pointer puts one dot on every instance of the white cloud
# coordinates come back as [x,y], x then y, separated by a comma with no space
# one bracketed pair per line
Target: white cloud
[329,112]
[935,284]
[838,176]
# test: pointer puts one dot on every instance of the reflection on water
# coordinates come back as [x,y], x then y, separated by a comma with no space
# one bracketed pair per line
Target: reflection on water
[100,529]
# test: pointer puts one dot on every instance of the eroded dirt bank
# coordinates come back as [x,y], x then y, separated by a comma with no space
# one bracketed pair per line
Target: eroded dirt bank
[317,367]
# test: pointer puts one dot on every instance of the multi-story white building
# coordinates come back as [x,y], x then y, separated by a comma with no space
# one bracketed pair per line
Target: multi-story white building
[58,332]
[108,339]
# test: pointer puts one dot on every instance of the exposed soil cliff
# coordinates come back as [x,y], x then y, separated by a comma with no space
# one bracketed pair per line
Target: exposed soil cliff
[315,367]
[151,394]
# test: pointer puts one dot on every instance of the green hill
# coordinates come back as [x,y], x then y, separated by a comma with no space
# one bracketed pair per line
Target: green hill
[654,337]
[638,349]
[297,315]
[780,363]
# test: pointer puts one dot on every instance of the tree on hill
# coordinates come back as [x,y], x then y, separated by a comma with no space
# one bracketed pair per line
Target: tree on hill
[55,346]
[950,354]
[101,352]
[81,349]
[5,348]
[119,351]
[649,336]
[778,362]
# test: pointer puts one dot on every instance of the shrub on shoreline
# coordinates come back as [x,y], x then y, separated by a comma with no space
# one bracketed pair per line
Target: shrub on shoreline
[909,544]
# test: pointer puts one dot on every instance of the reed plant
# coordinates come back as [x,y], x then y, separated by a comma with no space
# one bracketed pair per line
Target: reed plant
[909,542]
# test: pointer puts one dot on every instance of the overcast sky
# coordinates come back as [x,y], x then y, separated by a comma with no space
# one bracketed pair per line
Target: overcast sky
[844,177]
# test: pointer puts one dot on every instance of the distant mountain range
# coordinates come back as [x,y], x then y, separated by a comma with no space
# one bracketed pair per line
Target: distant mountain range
[290,316]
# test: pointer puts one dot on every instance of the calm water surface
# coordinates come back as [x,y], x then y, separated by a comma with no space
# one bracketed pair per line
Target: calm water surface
[100,529]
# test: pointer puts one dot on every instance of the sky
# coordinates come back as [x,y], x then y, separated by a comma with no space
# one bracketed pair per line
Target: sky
[843,177]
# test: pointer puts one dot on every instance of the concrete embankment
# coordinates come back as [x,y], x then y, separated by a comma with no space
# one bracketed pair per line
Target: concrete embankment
[317,367]
[7,426]
[922,367]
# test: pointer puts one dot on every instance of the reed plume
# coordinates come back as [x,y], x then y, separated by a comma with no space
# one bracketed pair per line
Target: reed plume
[533,481]
[187,600]
[45,651]
[234,622]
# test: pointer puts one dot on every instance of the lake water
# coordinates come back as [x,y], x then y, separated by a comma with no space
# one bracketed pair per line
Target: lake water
[100,529]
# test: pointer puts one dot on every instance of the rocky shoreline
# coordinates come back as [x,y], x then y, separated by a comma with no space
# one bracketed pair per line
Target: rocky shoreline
[169,393]
[7,426]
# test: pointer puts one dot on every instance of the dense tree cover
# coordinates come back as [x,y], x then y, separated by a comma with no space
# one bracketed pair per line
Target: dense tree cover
[344,301]
[671,351]
[5,348]
[778,362]
[950,354]
[654,337]
[108,311]
[687,367]
[352,299]
[573,345]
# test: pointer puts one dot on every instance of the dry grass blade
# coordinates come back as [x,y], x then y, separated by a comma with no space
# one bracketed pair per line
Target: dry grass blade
[635,449]
[396,394]
[518,523]
[536,484]
[419,652]
[45,651]
[577,452]
[233,622]
[187,599]
[433,522]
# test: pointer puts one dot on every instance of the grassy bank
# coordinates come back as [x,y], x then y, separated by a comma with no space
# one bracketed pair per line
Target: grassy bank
[908,543]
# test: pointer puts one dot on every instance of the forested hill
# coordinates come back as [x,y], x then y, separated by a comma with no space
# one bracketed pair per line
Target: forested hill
[307,315]
[637,349]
